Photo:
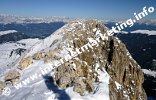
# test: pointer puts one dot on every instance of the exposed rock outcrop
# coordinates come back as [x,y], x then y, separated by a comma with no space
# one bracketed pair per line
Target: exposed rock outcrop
[2,86]
[12,77]
[24,63]
[38,56]
[77,73]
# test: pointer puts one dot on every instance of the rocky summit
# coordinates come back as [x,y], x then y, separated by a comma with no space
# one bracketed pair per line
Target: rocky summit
[91,64]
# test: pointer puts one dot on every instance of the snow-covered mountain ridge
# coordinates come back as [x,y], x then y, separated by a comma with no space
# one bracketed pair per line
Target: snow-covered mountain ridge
[6,19]
[7,32]
[105,71]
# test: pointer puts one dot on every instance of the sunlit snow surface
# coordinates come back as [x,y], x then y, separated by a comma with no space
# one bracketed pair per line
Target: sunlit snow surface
[40,90]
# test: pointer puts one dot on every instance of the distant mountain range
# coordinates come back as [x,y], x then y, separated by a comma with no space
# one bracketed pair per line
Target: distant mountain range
[6,19]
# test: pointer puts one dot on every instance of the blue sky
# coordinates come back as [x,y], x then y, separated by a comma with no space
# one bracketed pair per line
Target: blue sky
[107,9]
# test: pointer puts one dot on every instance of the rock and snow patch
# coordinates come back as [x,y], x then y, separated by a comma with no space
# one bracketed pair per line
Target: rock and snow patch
[94,30]
[118,86]
[102,90]
[7,58]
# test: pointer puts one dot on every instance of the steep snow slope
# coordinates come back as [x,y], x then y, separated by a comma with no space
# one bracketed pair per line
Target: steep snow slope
[10,52]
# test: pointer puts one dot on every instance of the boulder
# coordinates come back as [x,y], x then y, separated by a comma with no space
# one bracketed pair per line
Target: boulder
[12,76]
[38,56]
[24,63]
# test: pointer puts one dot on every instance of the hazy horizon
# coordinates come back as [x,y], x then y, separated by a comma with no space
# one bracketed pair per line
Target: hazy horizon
[99,9]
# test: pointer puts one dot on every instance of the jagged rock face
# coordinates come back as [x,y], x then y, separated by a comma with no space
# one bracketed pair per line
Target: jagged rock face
[126,77]
[79,71]
[124,70]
